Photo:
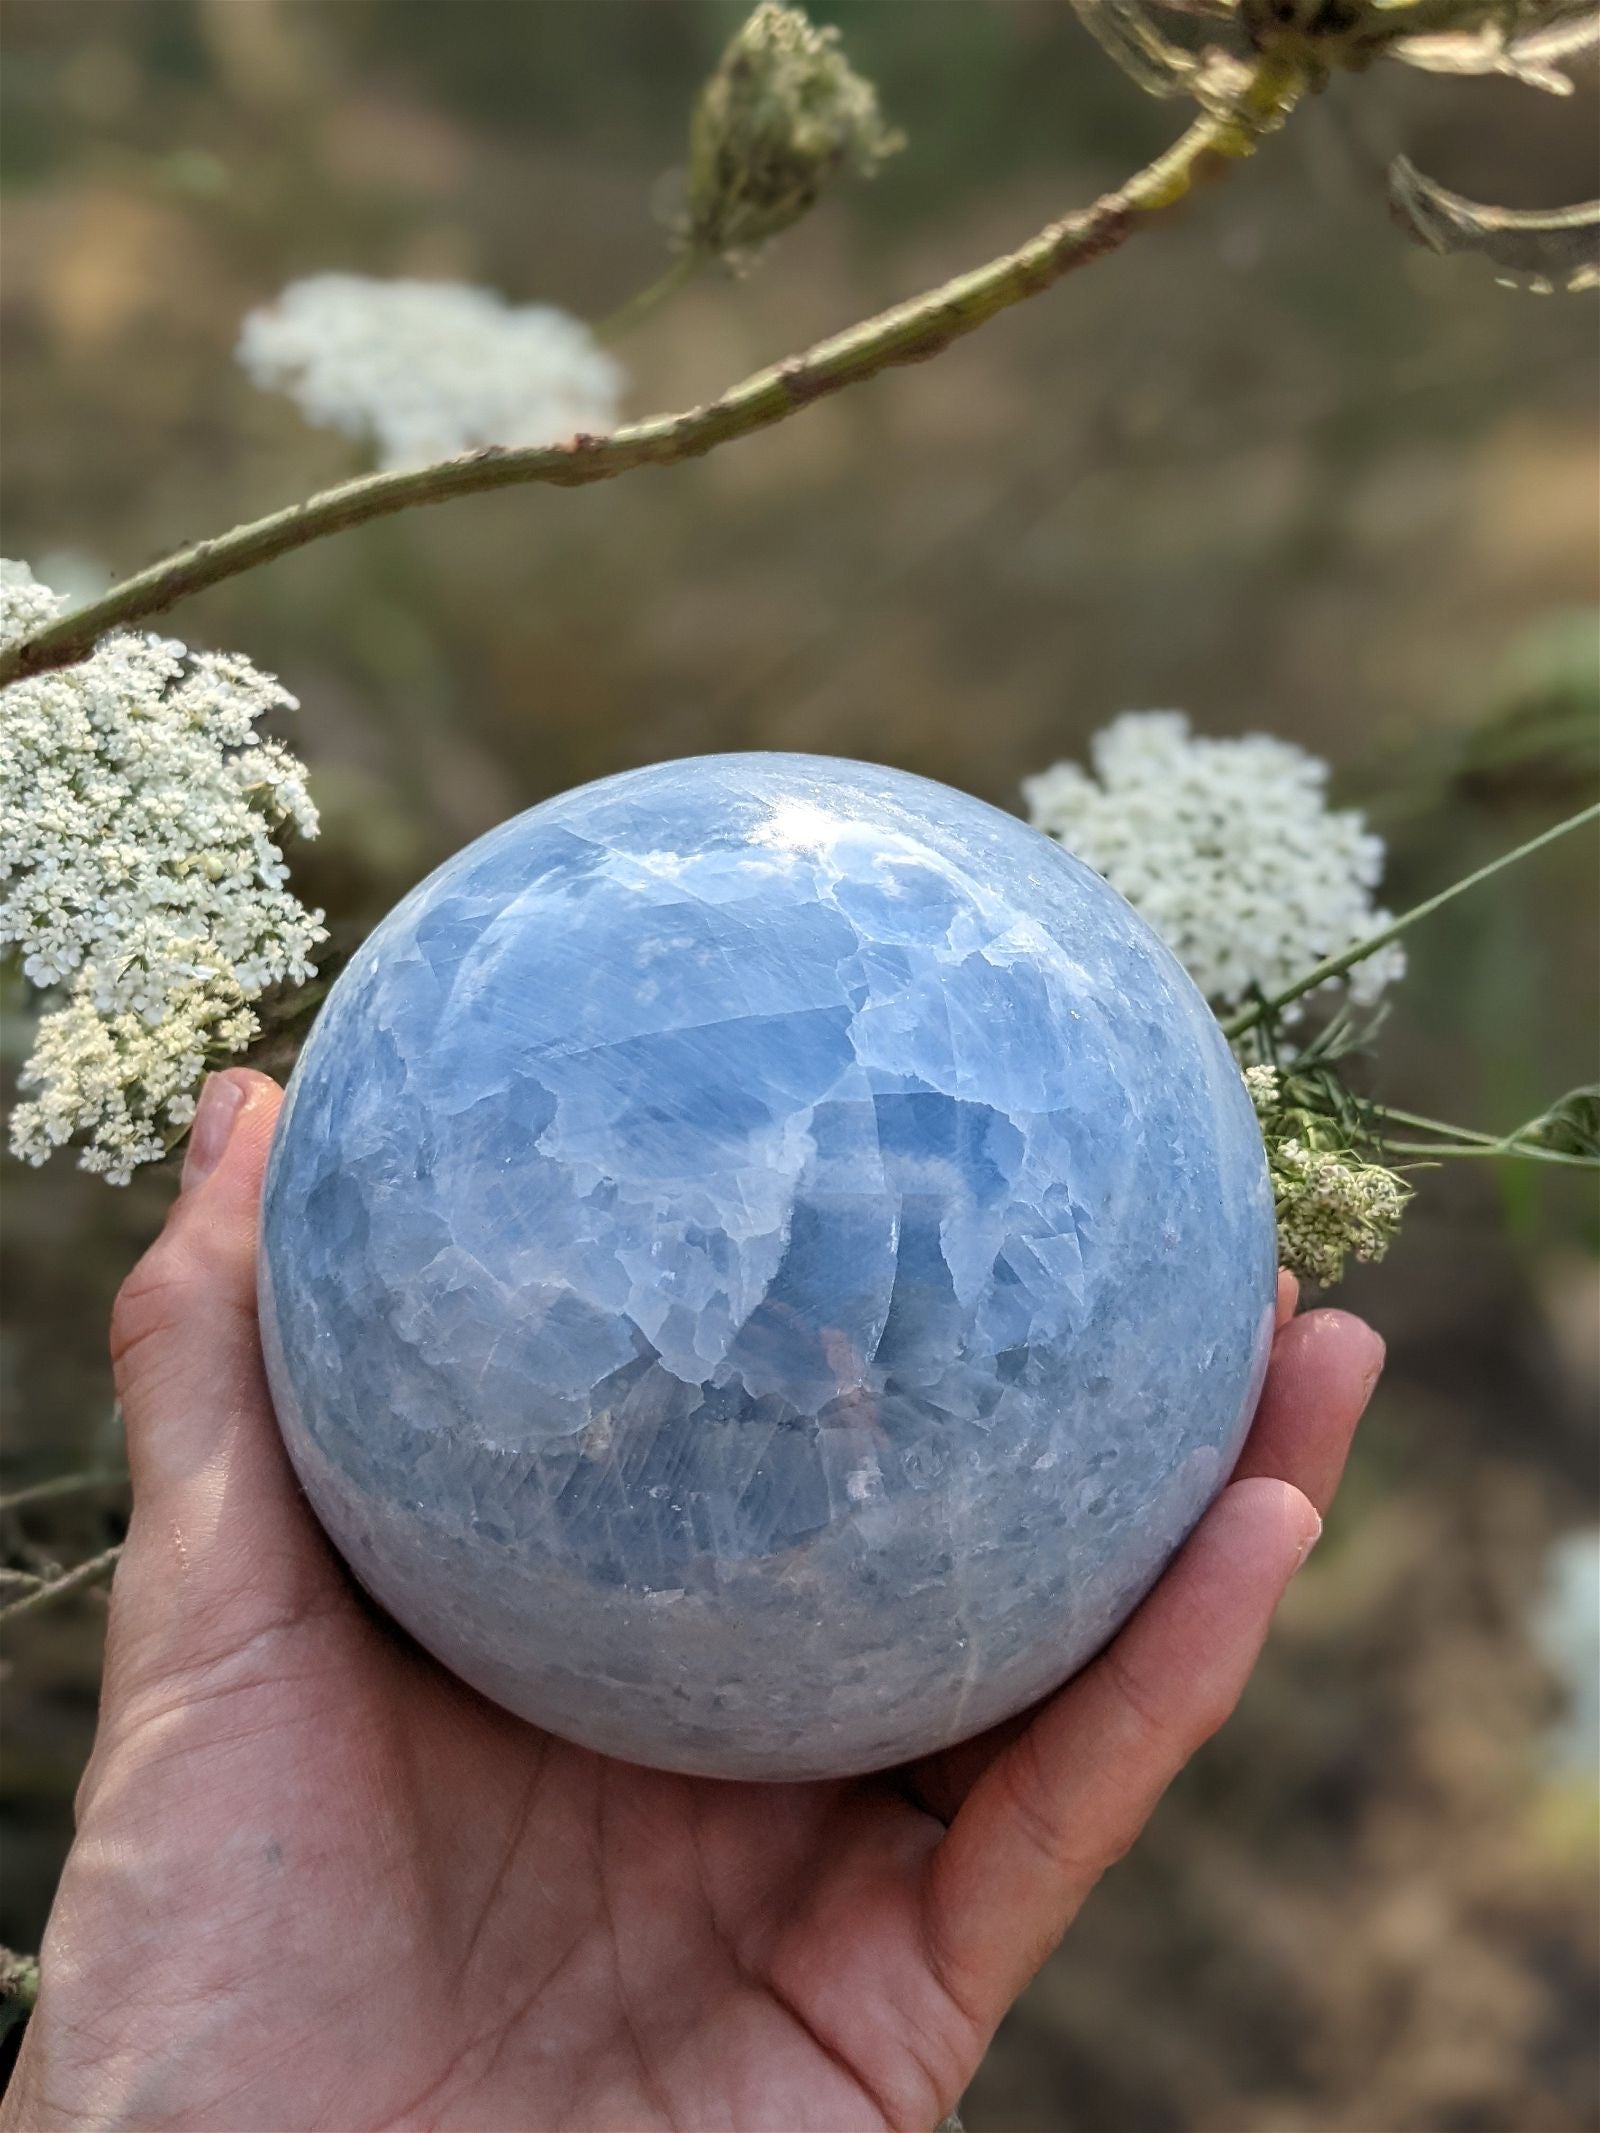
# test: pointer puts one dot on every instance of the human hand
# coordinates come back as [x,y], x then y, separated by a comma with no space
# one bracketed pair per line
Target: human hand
[317,1882]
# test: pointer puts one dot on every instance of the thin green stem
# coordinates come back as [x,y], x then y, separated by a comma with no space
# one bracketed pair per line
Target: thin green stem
[1461,1141]
[1334,966]
[907,333]
[79,1579]
[64,1485]
[622,321]
[1396,1117]
[1505,1151]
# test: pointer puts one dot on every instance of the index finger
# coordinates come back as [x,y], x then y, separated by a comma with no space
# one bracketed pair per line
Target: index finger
[1325,1365]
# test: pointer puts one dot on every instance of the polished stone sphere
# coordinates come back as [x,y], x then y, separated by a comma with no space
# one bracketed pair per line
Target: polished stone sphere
[764,1260]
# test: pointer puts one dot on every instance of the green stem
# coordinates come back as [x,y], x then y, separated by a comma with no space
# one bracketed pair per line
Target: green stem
[1433,1125]
[78,1579]
[1334,966]
[639,306]
[1505,1151]
[1460,1141]
[908,333]
[64,1485]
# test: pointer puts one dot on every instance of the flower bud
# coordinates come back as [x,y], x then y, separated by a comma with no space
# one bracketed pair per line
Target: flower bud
[783,114]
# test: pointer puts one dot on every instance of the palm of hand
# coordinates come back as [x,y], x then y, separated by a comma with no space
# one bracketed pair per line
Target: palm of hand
[319,1883]
[419,1911]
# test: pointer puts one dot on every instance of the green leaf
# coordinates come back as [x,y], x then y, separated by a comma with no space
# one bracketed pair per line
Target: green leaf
[1571,1126]
[1542,250]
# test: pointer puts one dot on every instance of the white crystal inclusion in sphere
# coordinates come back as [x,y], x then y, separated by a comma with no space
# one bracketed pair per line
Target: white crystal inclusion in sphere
[764,1259]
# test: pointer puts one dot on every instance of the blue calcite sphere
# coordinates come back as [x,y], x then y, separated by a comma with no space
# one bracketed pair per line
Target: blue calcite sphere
[765,1258]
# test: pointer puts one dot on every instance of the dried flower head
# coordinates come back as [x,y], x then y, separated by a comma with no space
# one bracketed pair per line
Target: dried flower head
[1331,1203]
[141,878]
[427,370]
[783,115]
[1228,848]
[1331,1206]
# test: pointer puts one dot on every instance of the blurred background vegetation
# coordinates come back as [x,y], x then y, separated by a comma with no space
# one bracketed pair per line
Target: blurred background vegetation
[1269,465]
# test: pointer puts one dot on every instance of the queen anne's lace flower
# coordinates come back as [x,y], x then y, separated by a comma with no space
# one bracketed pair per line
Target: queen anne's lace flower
[140,877]
[1330,1206]
[1228,848]
[1330,1203]
[426,370]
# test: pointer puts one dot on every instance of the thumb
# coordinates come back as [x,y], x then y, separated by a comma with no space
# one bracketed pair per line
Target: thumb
[220,1543]
[184,1347]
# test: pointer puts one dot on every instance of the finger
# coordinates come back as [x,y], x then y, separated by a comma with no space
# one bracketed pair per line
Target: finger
[1067,1798]
[1288,1297]
[1324,1368]
[183,1330]
[220,1539]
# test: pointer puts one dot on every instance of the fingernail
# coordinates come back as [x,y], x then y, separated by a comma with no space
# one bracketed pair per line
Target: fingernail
[1308,1544]
[214,1117]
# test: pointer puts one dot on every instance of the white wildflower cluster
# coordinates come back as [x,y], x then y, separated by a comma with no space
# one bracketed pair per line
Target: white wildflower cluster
[427,370]
[1330,1204]
[1264,1084]
[1228,848]
[139,878]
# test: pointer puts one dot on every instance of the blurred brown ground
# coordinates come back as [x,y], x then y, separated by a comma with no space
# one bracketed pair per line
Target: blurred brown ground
[1269,465]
